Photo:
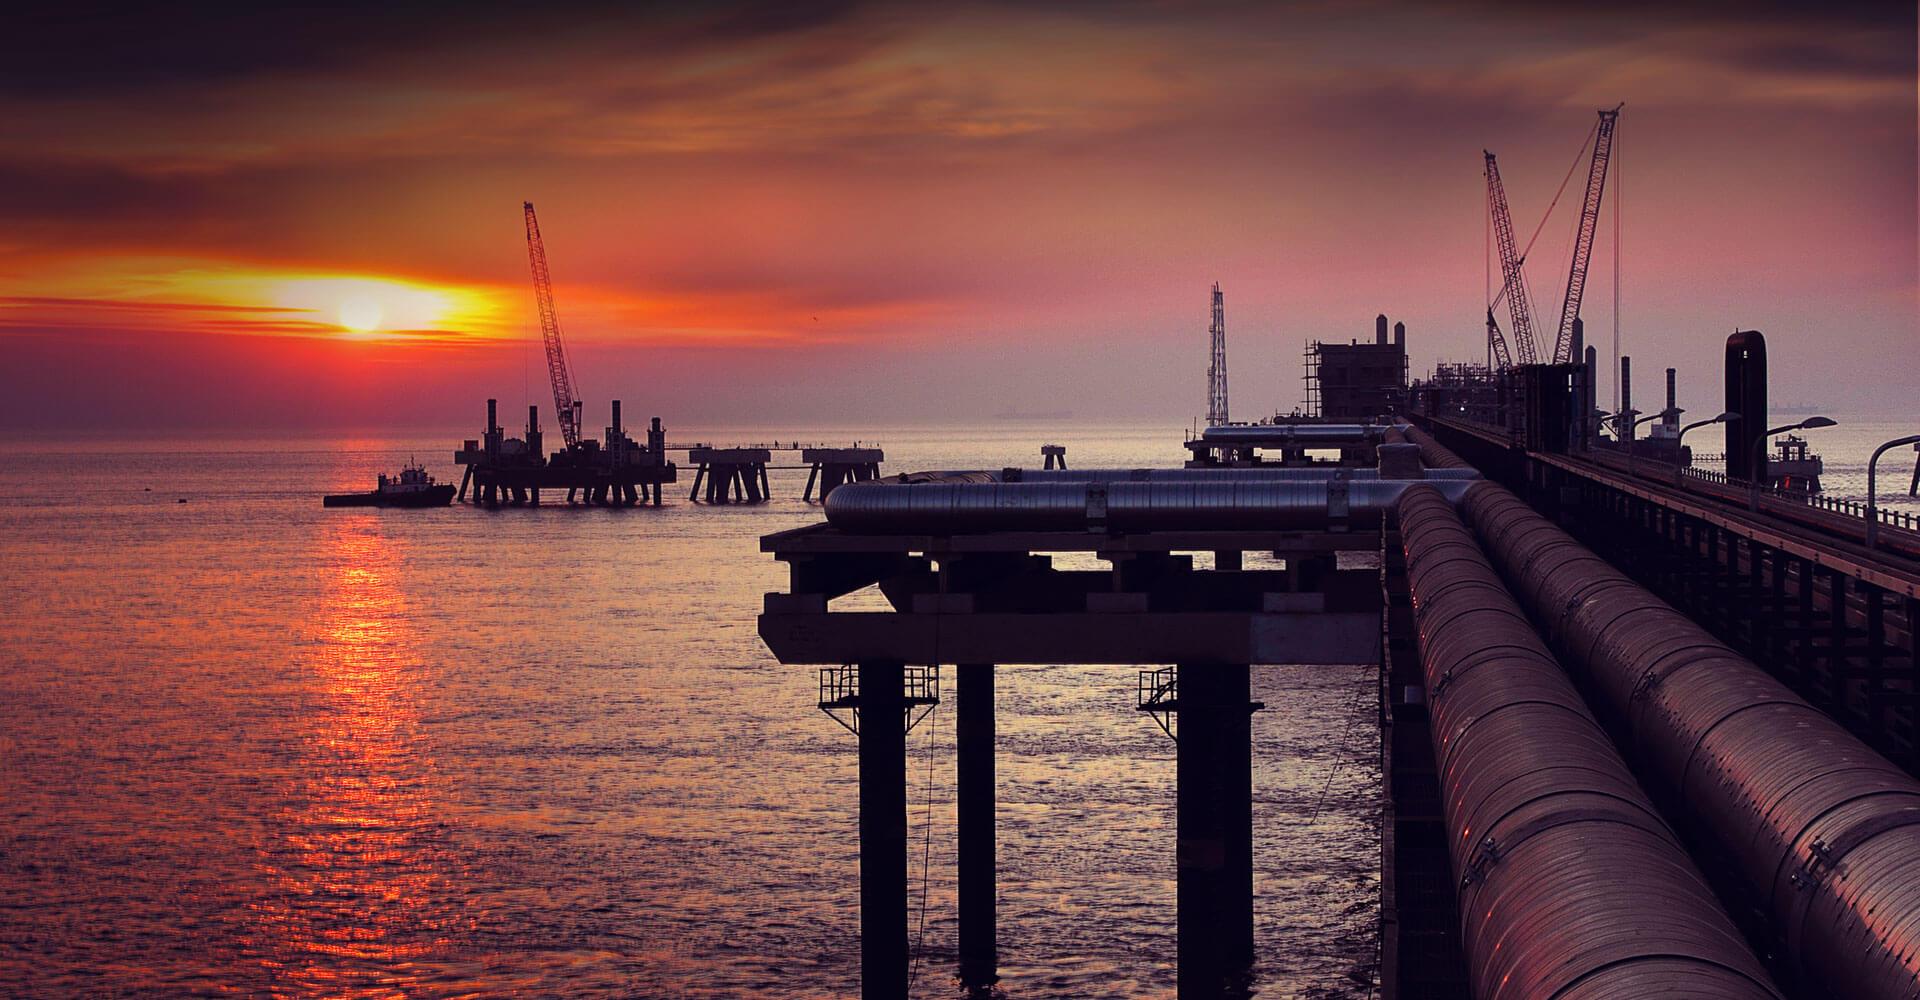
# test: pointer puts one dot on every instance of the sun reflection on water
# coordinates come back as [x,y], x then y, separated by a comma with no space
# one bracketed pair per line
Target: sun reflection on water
[362,883]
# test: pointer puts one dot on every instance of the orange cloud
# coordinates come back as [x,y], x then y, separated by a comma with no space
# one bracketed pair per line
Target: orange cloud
[171,295]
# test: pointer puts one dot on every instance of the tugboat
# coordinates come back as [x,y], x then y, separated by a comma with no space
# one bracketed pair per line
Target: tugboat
[1795,469]
[413,488]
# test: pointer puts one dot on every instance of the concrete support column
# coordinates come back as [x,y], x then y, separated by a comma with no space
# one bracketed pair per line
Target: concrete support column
[883,831]
[978,871]
[1215,828]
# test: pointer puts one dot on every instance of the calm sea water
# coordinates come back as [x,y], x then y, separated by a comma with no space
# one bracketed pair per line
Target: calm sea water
[251,746]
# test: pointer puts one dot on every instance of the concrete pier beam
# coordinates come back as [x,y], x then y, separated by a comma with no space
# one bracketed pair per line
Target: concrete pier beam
[978,865]
[1215,828]
[883,831]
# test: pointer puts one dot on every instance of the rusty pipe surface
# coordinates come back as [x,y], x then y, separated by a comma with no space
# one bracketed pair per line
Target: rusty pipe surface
[1194,505]
[1570,884]
[1824,832]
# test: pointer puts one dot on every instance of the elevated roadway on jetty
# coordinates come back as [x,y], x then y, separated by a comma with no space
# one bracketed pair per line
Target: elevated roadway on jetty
[1788,583]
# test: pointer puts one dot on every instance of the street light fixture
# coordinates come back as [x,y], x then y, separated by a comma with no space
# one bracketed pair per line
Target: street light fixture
[1722,418]
[1602,419]
[1679,440]
[1633,436]
[1873,506]
[1760,451]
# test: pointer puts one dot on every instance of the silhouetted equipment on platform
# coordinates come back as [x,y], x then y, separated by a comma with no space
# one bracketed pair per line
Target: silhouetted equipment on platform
[616,471]
[1356,381]
[1053,456]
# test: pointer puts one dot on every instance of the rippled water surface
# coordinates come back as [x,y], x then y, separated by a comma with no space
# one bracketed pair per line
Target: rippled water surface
[251,746]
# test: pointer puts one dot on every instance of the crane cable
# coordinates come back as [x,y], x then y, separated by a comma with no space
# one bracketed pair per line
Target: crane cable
[926,849]
[1618,188]
[1353,718]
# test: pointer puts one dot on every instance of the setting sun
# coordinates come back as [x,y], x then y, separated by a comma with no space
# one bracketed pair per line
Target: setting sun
[360,315]
[364,305]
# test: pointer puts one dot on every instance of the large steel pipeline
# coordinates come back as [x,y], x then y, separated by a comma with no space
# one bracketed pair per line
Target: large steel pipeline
[1230,505]
[1433,454]
[1824,832]
[1570,883]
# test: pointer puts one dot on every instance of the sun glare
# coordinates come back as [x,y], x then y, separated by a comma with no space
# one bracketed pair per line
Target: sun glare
[361,307]
[361,315]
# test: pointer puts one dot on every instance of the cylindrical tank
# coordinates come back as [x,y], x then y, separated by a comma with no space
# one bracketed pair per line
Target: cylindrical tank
[1592,364]
[1746,400]
[1824,833]
[1570,883]
[1380,329]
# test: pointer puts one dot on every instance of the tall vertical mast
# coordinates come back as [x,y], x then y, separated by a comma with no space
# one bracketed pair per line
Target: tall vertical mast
[1217,368]
[564,404]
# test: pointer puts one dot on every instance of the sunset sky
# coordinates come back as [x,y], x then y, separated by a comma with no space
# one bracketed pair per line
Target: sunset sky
[757,215]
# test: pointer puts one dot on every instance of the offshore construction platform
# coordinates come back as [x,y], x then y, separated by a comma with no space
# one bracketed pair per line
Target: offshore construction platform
[1647,719]
[618,470]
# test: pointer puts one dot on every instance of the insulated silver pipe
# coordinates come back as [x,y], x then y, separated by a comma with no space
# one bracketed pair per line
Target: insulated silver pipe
[1307,434]
[1233,505]
[1241,473]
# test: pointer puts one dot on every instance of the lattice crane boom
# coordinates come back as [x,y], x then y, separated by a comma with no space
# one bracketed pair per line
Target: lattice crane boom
[557,368]
[1583,240]
[1513,286]
[1217,367]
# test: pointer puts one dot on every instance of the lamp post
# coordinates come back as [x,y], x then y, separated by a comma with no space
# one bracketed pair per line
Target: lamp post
[1873,507]
[1633,437]
[1679,440]
[1760,452]
[1722,418]
[1601,420]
